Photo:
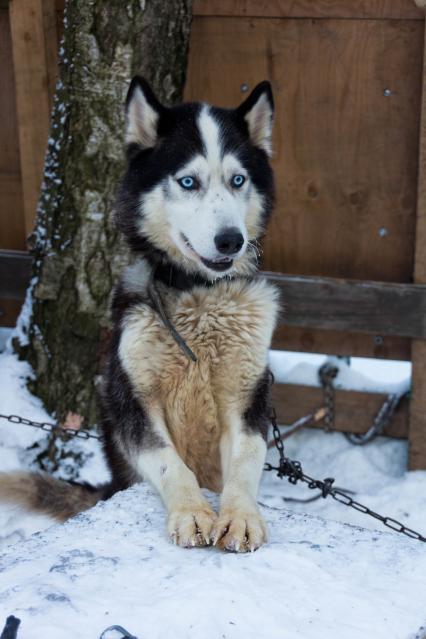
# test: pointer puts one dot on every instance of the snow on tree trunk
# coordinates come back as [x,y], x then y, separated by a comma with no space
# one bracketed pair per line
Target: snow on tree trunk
[76,248]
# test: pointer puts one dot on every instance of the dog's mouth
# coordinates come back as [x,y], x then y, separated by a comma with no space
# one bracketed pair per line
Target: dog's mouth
[219,265]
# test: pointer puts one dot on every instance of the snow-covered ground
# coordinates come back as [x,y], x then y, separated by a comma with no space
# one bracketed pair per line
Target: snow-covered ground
[316,577]
[113,565]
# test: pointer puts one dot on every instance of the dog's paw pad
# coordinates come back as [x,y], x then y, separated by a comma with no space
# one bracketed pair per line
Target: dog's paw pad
[239,531]
[191,527]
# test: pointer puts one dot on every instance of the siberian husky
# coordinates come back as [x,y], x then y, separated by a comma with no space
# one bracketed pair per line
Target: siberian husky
[185,402]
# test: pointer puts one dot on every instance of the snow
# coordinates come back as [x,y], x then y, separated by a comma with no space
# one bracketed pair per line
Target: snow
[362,374]
[114,565]
[318,576]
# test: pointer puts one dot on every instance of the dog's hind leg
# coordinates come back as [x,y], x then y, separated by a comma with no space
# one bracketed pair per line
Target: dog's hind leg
[240,526]
[190,517]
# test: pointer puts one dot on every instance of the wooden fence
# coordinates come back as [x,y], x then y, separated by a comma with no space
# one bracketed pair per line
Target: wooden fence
[349,232]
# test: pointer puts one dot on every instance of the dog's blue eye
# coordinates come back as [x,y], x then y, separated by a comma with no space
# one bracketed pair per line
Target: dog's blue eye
[188,183]
[237,181]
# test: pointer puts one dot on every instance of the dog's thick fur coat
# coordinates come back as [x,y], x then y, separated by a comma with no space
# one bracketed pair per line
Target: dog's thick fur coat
[195,199]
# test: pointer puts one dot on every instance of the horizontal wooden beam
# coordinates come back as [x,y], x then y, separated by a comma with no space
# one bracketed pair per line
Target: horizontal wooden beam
[344,343]
[377,308]
[356,9]
[355,411]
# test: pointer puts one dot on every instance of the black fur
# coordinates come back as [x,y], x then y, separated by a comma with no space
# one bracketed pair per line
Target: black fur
[258,416]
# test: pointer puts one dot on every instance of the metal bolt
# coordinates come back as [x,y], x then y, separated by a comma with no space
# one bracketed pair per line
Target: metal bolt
[383,232]
[378,340]
[244,87]
[387,93]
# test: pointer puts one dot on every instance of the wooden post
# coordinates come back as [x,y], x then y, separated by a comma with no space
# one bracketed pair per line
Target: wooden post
[33,67]
[417,425]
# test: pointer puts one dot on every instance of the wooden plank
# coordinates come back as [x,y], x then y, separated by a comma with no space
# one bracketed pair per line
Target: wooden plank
[12,229]
[51,46]
[15,272]
[344,196]
[376,9]
[307,340]
[417,429]
[355,411]
[362,9]
[378,308]
[32,96]
[9,311]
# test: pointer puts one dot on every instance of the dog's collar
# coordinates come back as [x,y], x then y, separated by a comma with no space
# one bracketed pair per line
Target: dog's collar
[176,277]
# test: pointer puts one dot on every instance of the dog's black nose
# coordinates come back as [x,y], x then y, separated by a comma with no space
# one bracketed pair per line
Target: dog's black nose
[229,241]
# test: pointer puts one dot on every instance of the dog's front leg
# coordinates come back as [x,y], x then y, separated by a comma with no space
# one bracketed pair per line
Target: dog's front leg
[190,517]
[240,527]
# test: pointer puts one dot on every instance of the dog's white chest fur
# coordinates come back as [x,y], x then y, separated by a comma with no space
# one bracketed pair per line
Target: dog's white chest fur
[229,328]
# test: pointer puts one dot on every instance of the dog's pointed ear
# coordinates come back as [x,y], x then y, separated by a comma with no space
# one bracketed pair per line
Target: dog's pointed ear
[258,113]
[143,112]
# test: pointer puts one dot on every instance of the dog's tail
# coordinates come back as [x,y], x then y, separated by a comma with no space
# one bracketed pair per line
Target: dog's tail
[45,494]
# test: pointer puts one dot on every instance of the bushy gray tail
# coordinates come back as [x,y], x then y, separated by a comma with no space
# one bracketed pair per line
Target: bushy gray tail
[45,494]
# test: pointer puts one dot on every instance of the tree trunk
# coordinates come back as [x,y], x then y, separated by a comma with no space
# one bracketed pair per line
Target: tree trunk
[76,248]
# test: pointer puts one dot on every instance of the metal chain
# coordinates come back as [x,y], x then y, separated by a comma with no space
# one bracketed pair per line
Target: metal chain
[286,468]
[52,428]
[327,374]
[126,634]
[381,421]
[293,471]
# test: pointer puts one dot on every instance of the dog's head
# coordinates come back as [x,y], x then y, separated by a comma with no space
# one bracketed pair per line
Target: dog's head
[198,187]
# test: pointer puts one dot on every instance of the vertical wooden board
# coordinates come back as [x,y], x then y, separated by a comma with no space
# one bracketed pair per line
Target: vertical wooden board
[32,97]
[417,426]
[12,229]
[345,154]
[51,45]
[9,311]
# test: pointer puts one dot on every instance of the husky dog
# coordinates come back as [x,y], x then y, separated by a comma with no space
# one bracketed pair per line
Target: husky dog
[185,402]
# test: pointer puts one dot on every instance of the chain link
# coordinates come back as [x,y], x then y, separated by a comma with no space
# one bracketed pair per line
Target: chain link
[52,428]
[293,471]
[381,421]
[327,374]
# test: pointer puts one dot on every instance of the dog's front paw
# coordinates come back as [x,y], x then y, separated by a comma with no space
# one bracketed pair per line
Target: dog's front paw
[189,527]
[239,530]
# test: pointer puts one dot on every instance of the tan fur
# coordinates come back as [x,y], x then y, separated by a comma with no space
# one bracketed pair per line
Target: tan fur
[260,120]
[142,121]
[231,348]
[42,493]
[196,408]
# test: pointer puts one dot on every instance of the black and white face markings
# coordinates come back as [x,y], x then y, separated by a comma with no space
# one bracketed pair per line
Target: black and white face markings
[198,188]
